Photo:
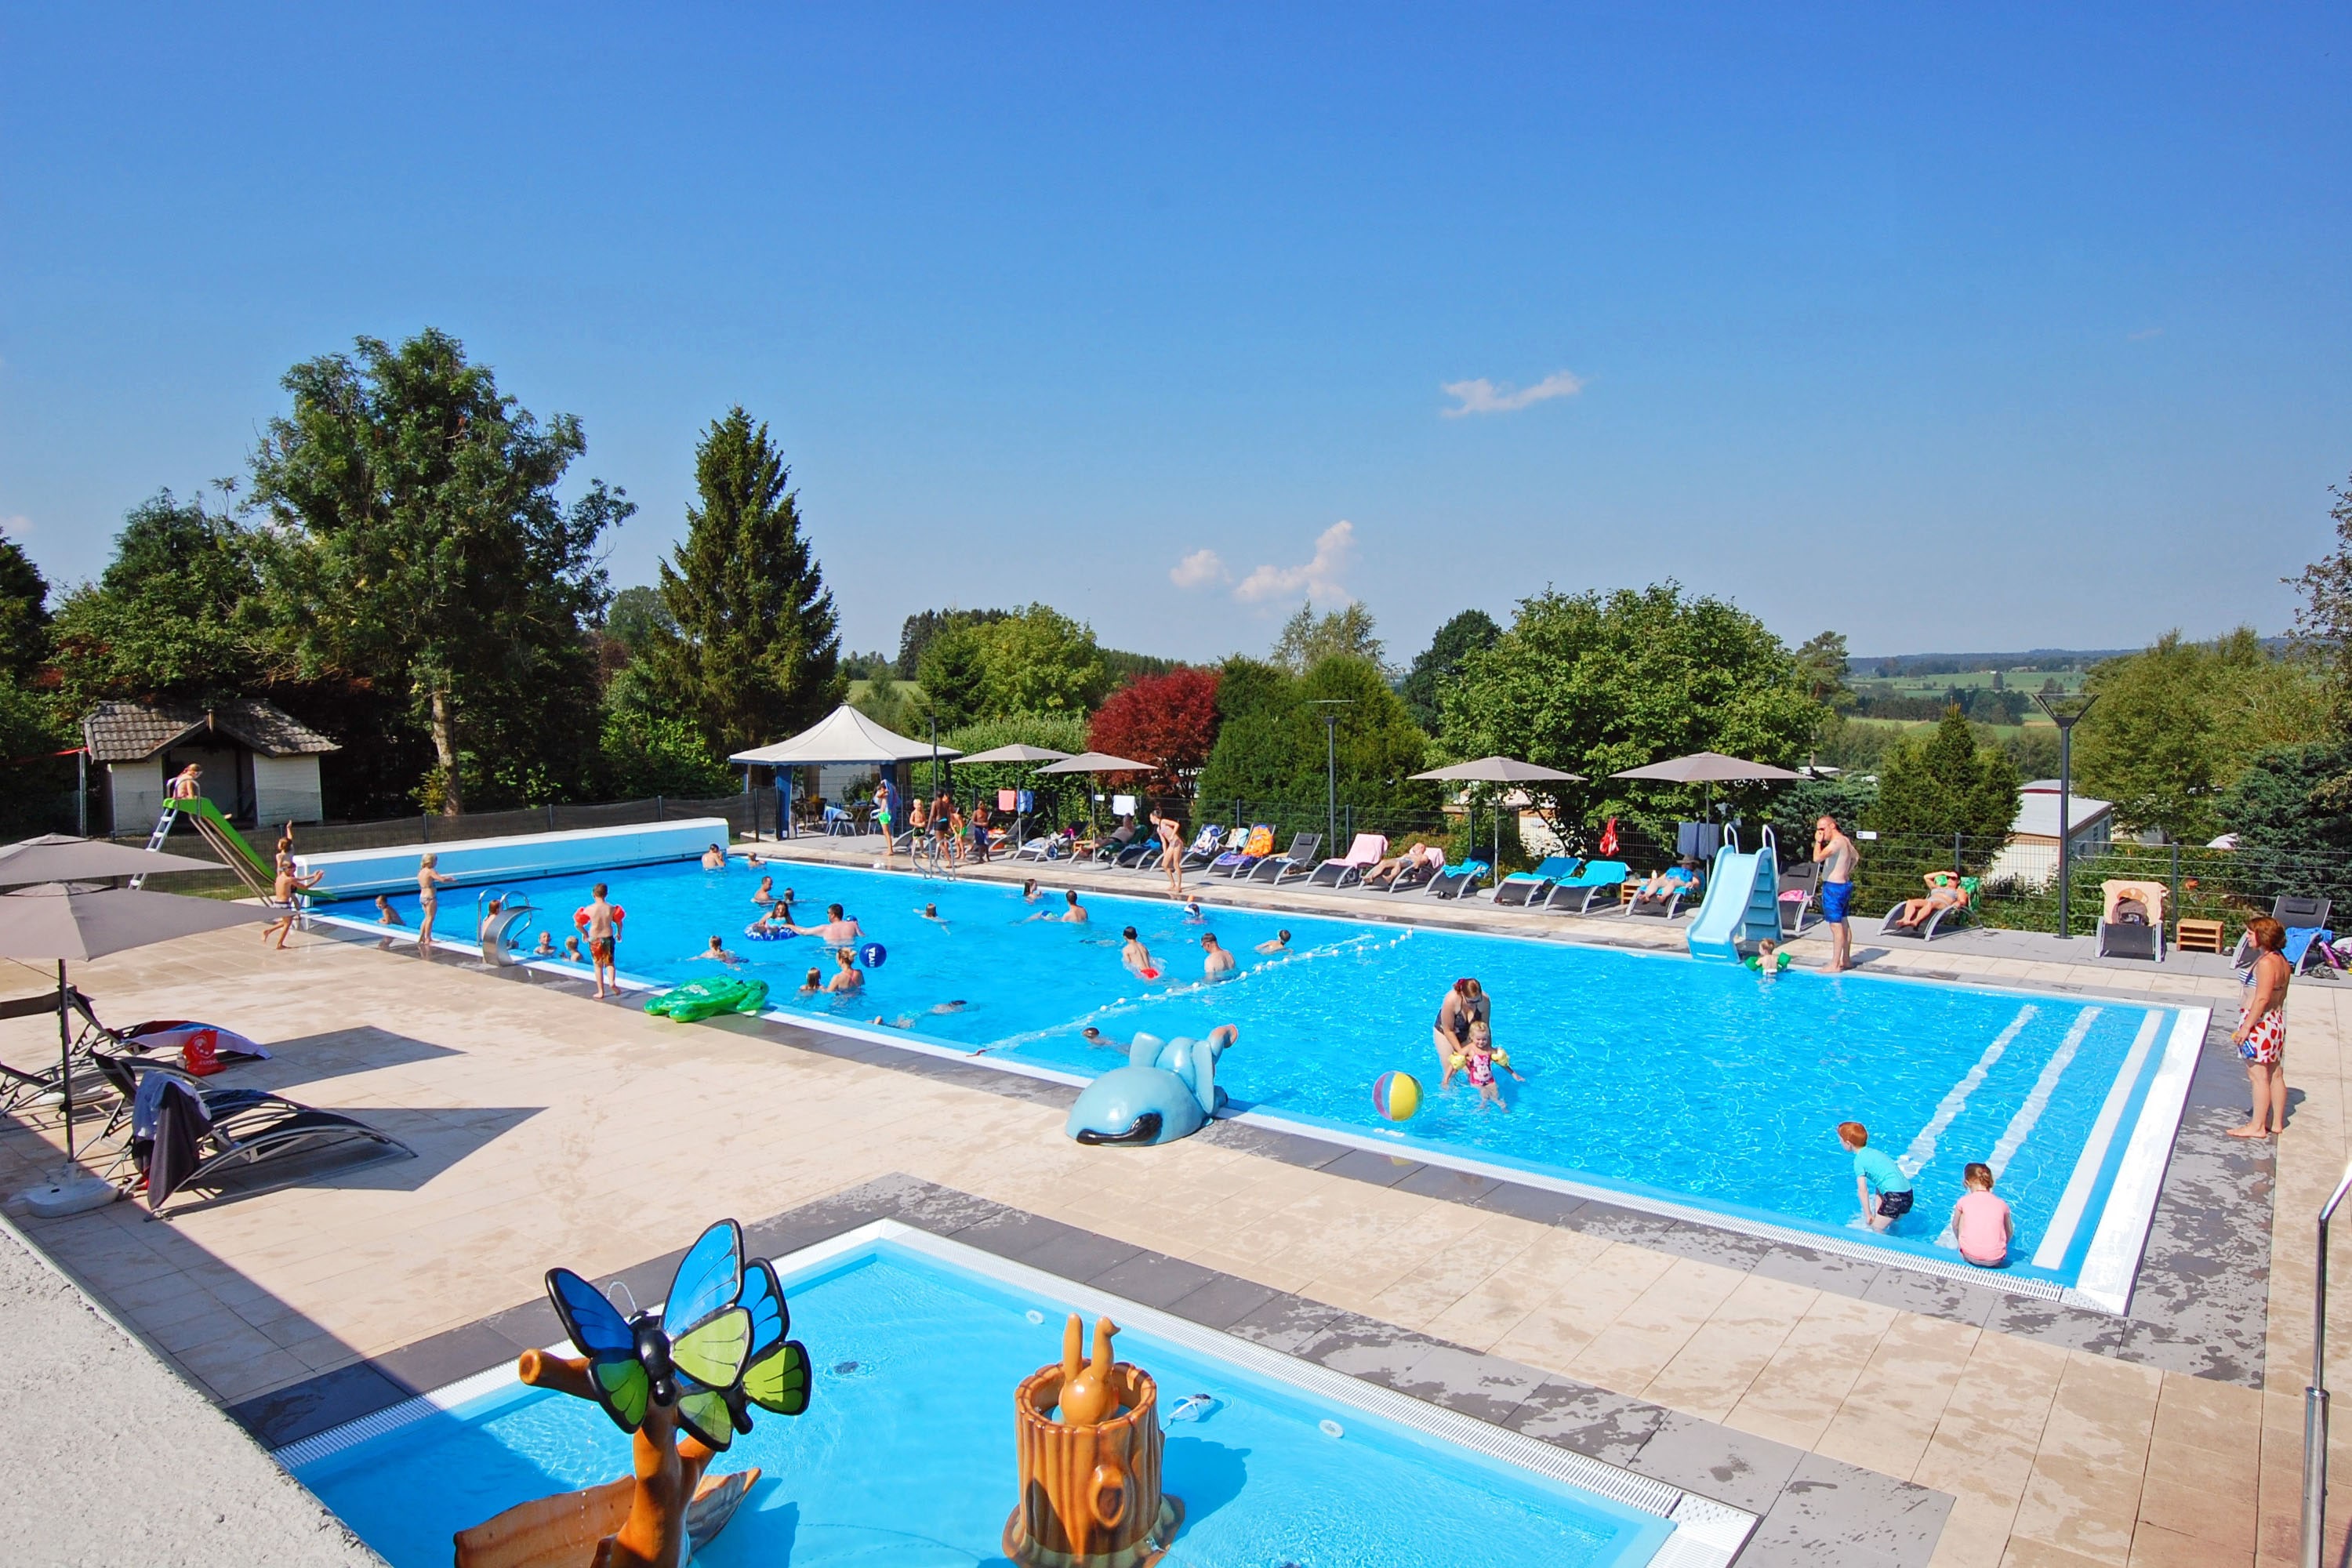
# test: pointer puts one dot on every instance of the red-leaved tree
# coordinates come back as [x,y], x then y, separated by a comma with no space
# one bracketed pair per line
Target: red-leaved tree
[1168,721]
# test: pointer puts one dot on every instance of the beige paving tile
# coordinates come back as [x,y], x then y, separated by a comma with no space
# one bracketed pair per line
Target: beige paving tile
[1798,1392]
[1630,1353]
[1889,1415]
[1722,1359]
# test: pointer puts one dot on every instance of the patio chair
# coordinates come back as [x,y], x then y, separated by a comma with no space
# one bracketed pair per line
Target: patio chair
[1206,848]
[1953,916]
[1574,895]
[2131,925]
[1800,888]
[837,823]
[1521,889]
[1298,860]
[1367,851]
[1236,862]
[1459,881]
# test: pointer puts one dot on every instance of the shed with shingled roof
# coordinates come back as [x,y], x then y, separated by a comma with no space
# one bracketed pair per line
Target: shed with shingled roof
[259,763]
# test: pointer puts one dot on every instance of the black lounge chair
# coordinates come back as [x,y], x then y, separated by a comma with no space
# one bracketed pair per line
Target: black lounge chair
[1663,906]
[1531,888]
[1298,860]
[1414,877]
[1948,915]
[1207,848]
[1800,887]
[1458,881]
[1574,895]
[122,1075]
[1122,839]
[192,1148]
[1367,851]
[2131,925]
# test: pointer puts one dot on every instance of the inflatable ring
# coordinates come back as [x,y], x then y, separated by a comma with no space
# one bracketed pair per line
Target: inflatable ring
[872,955]
[758,932]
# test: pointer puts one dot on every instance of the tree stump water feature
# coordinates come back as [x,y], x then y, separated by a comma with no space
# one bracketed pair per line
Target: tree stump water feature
[1088,1441]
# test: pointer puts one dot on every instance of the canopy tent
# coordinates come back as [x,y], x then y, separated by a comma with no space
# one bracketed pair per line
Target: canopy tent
[1500,770]
[58,921]
[843,735]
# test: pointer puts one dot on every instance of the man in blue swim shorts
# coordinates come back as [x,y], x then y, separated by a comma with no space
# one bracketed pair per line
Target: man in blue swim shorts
[1838,857]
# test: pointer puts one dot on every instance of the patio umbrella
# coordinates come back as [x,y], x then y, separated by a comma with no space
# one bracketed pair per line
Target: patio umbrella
[1500,770]
[1018,752]
[1095,763]
[1707,769]
[59,922]
[59,858]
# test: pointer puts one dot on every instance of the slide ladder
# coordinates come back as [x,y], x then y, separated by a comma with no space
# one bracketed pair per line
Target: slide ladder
[1742,901]
[259,875]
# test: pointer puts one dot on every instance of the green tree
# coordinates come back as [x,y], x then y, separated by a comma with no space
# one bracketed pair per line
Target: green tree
[24,612]
[1060,798]
[954,677]
[756,655]
[1307,638]
[646,753]
[417,542]
[2294,824]
[2174,725]
[2324,624]
[1930,788]
[176,613]
[1472,631]
[1592,685]
[915,634]
[1822,669]
[1270,746]
[637,618]
[1039,660]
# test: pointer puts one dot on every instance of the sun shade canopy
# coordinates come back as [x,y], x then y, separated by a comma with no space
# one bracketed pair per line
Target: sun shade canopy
[845,735]
[1500,770]
[1019,751]
[1096,762]
[55,921]
[57,858]
[1706,768]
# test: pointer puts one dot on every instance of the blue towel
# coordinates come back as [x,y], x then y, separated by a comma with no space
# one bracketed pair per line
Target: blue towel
[2298,943]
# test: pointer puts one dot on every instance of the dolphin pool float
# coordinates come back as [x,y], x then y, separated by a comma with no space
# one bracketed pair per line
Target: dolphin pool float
[1165,1092]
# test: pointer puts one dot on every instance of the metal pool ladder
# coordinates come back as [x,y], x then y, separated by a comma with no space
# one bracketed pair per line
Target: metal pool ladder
[2314,1400]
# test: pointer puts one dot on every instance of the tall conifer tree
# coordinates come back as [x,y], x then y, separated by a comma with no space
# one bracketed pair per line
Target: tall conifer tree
[757,654]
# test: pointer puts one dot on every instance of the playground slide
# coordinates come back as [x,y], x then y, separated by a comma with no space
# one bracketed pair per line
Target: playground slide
[1742,901]
[216,828]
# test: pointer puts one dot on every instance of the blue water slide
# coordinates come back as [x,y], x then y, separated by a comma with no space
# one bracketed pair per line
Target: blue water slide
[1742,901]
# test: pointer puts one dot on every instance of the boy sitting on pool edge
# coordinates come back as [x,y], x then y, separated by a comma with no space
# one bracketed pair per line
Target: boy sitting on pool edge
[1873,1169]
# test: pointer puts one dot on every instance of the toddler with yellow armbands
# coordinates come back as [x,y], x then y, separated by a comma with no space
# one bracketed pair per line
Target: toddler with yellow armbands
[1479,1060]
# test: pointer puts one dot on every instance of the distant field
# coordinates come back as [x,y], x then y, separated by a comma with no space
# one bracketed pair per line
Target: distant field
[859,688]
[2028,681]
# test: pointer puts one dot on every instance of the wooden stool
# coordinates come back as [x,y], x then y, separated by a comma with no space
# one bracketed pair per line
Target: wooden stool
[2200,936]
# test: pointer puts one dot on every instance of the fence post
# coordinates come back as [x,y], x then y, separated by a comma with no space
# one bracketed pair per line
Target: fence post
[2176,887]
[426,818]
[661,813]
[1956,854]
[551,816]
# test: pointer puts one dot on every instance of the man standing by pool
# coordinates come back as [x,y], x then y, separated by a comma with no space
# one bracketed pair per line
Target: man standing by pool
[1838,857]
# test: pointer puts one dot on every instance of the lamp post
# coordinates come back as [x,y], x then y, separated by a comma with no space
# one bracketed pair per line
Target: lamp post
[2065,712]
[1331,706]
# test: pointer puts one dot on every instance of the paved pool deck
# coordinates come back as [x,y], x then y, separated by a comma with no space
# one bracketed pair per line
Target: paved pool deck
[1868,1424]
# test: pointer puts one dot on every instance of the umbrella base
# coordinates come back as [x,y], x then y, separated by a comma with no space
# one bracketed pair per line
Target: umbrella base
[74,1193]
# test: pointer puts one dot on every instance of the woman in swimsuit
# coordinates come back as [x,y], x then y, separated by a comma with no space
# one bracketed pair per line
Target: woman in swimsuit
[2260,1037]
[429,901]
[1465,1005]
[882,816]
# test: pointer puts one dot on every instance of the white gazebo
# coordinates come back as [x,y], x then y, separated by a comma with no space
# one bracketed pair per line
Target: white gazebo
[844,737]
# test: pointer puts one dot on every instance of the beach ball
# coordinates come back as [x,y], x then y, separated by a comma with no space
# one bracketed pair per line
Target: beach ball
[872,955]
[1396,1095]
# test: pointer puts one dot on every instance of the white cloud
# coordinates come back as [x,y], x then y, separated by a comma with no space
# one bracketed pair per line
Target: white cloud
[15,525]
[1483,396]
[1318,579]
[2143,334]
[1199,570]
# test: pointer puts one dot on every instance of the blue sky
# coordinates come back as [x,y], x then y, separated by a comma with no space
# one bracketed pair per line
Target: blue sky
[1961,327]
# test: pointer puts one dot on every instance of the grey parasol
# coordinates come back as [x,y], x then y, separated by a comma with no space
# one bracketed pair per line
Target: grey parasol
[1019,751]
[59,858]
[1500,770]
[1096,762]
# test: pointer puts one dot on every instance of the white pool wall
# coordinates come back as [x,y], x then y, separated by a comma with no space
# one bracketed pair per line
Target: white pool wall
[362,873]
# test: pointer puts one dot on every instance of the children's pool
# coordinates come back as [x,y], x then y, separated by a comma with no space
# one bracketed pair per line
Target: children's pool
[1662,1079]
[905,1455]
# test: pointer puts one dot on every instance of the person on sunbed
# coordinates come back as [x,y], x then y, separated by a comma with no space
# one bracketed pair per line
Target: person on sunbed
[1944,893]
[1384,872]
[1666,884]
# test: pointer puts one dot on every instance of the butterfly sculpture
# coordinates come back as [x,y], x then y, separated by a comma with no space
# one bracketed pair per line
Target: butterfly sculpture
[716,1347]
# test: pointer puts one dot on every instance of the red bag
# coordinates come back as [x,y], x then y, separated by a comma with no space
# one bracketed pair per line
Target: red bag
[1608,838]
[200,1052]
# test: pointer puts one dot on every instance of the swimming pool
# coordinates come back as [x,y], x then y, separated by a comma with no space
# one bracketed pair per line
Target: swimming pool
[905,1455]
[1676,1085]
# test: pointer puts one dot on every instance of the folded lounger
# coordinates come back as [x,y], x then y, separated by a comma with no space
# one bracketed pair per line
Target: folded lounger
[1523,888]
[1298,860]
[1238,861]
[1574,895]
[1367,851]
[1953,916]
[1459,881]
[2131,923]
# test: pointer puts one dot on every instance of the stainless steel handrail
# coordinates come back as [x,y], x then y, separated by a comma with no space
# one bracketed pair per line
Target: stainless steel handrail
[2314,1399]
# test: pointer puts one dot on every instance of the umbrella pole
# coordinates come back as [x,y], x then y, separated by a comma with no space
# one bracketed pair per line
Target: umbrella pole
[65,1059]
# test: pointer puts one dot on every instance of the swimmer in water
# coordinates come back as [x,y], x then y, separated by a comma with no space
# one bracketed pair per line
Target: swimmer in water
[847,979]
[714,858]
[766,891]
[1192,912]
[909,1023]
[1281,943]
[1218,963]
[716,950]
[1030,892]
[1076,914]
[813,982]
[1135,955]
[1094,1036]
[931,913]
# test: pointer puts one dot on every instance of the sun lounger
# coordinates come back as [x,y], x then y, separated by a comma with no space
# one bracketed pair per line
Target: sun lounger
[1367,851]
[1663,906]
[1521,889]
[2307,946]
[1144,851]
[1046,846]
[1106,850]
[1237,861]
[1800,888]
[1416,875]
[1574,895]
[1936,919]
[2131,923]
[1298,860]
[1459,881]
[1208,846]
[192,1148]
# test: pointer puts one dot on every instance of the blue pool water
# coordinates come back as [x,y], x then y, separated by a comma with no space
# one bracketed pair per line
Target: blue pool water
[905,1455]
[1649,1073]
